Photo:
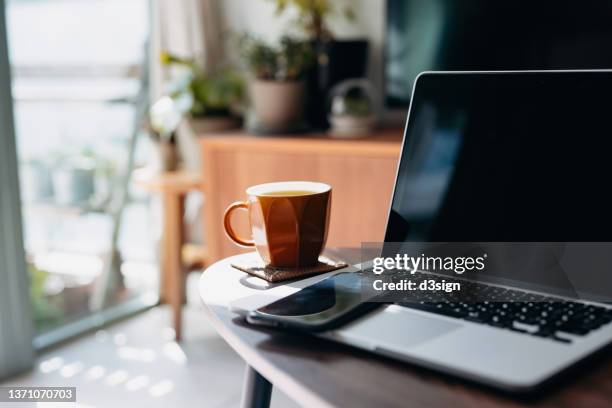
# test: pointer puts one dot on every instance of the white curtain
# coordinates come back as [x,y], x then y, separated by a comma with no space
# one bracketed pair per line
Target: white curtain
[187,28]
[16,325]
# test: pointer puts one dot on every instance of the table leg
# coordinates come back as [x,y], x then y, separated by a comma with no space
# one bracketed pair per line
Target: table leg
[171,254]
[257,391]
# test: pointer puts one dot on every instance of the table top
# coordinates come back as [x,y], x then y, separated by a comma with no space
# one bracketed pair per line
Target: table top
[381,142]
[318,372]
[179,181]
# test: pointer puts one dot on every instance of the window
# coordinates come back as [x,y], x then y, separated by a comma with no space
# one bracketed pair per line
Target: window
[79,84]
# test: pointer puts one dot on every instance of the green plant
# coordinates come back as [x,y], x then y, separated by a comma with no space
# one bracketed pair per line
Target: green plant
[354,102]
[312,15]
[286,62]
[356,106]
[46,313]
[211,94]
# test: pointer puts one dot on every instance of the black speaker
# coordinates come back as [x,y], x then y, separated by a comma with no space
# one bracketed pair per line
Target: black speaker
[336,61]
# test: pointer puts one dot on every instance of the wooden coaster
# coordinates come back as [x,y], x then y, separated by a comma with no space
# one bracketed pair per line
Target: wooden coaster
[254,265]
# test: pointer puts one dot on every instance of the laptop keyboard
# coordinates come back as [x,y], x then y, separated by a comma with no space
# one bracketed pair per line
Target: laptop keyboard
[547,317]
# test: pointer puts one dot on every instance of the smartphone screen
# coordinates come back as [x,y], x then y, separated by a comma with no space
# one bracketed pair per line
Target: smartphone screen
[316,306]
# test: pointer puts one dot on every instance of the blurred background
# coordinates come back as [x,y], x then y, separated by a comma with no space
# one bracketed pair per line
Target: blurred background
[85,74]
[76,83]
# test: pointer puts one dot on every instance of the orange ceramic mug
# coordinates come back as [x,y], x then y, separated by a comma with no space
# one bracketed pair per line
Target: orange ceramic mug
[289,221]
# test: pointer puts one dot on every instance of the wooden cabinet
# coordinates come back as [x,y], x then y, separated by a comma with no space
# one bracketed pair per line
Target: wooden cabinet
[361,173]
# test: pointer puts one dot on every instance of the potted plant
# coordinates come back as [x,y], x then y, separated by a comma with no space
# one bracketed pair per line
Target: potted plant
[336,60]
[211,100]
[36,183]
[74,181]
[164,120]
[277,86]
[46,308]
[353,111]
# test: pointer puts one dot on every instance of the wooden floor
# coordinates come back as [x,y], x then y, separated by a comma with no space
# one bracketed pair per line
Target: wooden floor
[136,363]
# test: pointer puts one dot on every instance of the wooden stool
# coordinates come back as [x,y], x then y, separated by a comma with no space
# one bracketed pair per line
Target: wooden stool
[173,187]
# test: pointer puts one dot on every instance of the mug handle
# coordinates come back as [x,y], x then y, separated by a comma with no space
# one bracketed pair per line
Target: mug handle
[227,223]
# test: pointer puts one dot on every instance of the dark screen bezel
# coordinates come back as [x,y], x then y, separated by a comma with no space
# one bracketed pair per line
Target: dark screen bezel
[543,75]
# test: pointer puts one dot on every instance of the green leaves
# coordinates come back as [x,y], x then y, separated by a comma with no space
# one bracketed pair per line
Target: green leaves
[281,5]
[170,59]
[215,94]
[211,94]
[285,62]
[349,14]
[312,14]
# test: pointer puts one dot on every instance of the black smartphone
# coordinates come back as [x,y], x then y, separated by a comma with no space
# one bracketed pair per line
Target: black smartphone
[326,305]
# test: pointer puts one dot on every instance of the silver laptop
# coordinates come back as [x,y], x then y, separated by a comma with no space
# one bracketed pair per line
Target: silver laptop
[510,170]
[505,157]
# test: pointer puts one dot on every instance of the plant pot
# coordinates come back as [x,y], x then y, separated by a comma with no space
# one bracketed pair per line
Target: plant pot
[278,104]
[36,183]
[337,60]
[351,127]
[73,183]
[168,158]
[204,125]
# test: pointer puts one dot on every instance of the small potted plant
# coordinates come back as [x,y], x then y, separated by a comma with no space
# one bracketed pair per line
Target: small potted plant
[36,182]
[336,60]
[164,119]
[277,86]
[353,111]
[74,180]
[212,101]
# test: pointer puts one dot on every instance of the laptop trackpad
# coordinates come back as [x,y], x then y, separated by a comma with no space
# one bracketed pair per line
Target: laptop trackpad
[396,326]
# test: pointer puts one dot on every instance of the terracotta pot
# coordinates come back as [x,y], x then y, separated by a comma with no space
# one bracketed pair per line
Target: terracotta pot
[203,126]
[168,156]
[278,104]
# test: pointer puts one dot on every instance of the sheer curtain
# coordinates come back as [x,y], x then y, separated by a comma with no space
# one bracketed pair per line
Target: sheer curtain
[189,29]
[16,326]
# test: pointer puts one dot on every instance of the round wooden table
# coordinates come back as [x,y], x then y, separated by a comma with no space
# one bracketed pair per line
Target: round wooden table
[319,373]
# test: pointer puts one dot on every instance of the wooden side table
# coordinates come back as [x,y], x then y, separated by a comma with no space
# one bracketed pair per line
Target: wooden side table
[361,172]
[173,187]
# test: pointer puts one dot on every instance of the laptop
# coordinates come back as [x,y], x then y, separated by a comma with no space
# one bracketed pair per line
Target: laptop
[505,157]
[512,170]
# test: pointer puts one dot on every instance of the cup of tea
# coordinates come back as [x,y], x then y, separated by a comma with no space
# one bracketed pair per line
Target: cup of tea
[289,221]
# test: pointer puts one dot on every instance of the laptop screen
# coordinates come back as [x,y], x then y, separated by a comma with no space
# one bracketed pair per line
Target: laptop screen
[507,157]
